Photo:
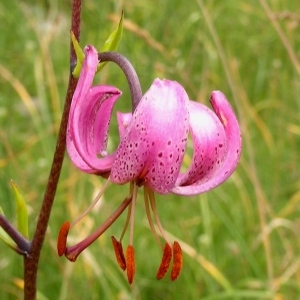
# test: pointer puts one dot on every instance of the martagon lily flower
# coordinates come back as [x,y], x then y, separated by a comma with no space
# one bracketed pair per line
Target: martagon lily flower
[153,142]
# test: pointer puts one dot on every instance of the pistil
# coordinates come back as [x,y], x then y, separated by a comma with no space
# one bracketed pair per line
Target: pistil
[72,252]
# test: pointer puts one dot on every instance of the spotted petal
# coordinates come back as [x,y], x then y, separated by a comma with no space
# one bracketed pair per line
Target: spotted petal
[217,147]
[89,119]
[153,145]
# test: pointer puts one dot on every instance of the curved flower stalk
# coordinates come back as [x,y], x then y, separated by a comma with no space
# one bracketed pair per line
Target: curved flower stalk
[153,141]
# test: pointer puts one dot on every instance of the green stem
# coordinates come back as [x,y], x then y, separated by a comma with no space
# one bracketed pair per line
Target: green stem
[32,260]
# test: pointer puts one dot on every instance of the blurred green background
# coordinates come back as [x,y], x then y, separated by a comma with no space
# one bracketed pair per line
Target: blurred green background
[241,240]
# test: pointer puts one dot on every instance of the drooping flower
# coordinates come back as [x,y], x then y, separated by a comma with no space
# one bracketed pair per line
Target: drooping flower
[153,142]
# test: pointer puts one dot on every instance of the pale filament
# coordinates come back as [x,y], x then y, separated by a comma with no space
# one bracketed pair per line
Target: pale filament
[153,206]
[128,214]
[148,213]
[105,186]
[133,203]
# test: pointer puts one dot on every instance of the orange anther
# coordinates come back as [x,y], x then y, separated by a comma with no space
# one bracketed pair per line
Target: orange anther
[177,261]
[130,263]
[62,238]
[119,253]
[165,262]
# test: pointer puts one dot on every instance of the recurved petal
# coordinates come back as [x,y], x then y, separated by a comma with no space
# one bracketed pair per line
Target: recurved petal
[89,126]
[209,145]
[153,145]
[89,119]
[227,117]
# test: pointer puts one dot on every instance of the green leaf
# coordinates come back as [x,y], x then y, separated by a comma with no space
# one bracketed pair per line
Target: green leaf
[5,237]
[22,214]
[79,54]
[112,43]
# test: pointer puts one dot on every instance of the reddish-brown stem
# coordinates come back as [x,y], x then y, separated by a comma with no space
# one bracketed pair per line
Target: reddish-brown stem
[32,260]
[75,27]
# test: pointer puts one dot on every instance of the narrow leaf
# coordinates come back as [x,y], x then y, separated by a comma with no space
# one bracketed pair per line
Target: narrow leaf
[22,214]
[79,54]
[5,237]
[112,43]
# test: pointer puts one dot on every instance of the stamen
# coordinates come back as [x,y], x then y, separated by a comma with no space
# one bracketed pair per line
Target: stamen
[72,252]
[62,238]
[153,206]
[126,222]
[105,186]
[148,213]
[128,214]
[119,253]
[177,261]
[165,262]
[133,203]
[130,263]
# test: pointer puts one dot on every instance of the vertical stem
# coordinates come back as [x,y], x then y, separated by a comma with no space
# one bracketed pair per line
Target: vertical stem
[32,260]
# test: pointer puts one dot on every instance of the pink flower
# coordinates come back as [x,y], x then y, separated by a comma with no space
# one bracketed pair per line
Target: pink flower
[153,142]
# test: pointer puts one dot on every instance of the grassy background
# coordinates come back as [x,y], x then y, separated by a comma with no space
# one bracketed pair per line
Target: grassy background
[241,240]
